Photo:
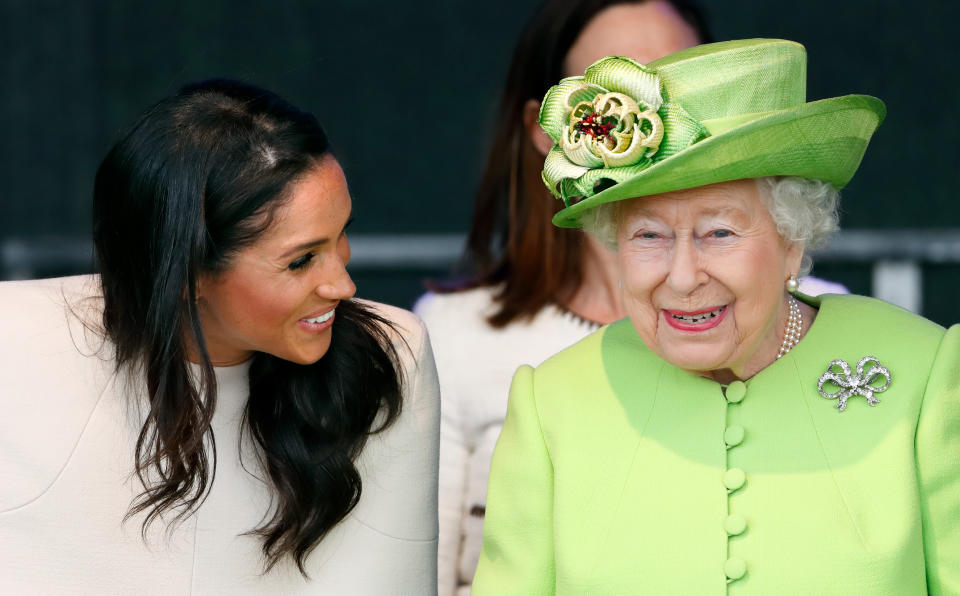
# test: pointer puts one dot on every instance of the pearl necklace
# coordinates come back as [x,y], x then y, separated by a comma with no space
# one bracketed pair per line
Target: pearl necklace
[794,326]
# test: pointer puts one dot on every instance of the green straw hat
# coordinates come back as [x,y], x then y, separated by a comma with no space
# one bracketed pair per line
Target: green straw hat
[711,113]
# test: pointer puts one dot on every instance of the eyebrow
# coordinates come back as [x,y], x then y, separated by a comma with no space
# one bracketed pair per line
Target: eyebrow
[305,245]
[315,242]
[722,211]
[709,212]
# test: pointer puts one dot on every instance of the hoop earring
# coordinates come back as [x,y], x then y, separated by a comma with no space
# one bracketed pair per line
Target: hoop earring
[792,284]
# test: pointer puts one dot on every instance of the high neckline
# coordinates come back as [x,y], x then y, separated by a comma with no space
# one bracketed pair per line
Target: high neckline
[566,312]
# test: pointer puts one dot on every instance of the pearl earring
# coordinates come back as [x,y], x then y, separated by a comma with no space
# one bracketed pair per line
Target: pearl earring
[792,284]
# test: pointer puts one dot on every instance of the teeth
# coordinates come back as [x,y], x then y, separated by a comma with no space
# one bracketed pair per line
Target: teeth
[700,318]
[321,318]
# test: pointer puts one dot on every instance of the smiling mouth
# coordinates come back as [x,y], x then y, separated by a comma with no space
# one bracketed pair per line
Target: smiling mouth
[321,319]
[696,318]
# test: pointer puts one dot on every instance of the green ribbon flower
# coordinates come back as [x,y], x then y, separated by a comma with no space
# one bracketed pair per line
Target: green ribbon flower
[608,126]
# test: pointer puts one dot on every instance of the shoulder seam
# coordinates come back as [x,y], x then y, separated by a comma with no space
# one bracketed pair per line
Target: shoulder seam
[536,409]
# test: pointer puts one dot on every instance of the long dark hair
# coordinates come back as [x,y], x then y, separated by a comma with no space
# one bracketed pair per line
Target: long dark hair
[512,243]
[196,179]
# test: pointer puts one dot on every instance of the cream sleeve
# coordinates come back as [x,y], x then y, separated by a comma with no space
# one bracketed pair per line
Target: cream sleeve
[517,556]
[454,455]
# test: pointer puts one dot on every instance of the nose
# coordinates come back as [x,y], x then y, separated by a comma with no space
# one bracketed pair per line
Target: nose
[686,273]
[336,283]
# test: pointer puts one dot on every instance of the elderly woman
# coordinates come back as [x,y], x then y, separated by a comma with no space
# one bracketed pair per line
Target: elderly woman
[730,434]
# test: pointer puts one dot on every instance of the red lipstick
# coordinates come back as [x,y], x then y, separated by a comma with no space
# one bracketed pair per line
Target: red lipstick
[695,321]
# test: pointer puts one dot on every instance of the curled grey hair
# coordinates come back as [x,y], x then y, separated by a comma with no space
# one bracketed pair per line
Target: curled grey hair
[804,210]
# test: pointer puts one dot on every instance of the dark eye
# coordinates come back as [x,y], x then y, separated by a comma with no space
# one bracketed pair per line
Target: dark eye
[721,233]
[301,262]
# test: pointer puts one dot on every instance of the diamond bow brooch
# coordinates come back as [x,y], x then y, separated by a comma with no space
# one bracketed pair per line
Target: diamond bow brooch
[848,384]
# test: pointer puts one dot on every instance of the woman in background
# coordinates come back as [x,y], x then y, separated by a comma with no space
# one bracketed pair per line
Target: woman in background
[214,413]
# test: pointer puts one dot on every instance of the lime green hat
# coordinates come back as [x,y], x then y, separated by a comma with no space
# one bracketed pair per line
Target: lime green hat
[711,113]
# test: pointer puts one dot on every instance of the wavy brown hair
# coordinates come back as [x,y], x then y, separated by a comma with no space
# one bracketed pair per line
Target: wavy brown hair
[196,179]
[512,243]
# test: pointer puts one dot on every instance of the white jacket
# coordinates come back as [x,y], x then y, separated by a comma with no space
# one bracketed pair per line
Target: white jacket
[67,431]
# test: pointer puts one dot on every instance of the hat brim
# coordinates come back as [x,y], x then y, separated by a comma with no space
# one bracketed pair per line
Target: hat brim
[823,139]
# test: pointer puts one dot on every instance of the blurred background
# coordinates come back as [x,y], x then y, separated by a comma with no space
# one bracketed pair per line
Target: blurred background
[408,93]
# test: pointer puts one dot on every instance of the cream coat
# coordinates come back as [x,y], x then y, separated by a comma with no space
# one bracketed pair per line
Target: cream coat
[67,430]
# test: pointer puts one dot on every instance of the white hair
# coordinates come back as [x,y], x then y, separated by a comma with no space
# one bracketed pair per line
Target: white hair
[804,210]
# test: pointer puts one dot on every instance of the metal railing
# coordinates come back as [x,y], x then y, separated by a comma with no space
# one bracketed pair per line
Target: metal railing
[896,256]
[26,258]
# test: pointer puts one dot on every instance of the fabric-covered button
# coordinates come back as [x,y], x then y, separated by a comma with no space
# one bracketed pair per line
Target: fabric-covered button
[733,436]
[734,478]
[735,568]
[735,524]
[735,392]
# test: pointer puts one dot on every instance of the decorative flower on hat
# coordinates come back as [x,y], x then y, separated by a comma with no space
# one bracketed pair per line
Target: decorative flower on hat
[612,130]
[609,125]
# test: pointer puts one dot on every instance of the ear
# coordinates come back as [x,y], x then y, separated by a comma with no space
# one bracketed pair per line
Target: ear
[531,122]
[199,287]
[794,258]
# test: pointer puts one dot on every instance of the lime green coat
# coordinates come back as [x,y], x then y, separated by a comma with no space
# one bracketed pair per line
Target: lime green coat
[612,474]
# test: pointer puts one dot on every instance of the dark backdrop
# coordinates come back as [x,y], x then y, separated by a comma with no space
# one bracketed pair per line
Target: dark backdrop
[408,92]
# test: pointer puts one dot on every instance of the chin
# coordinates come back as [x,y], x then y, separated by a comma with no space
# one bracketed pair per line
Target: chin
[308,359]
[695,358]
[306,355]
[302,360]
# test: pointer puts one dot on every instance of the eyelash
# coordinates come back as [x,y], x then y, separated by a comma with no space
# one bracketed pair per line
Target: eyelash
[304,260]
[720,234]
[301,262]
[643,234]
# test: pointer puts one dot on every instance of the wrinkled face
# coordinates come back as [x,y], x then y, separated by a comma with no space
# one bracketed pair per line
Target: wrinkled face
[279,294]
[702,272]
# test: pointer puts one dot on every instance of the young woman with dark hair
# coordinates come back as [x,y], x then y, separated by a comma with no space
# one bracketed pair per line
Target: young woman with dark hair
[214,413]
